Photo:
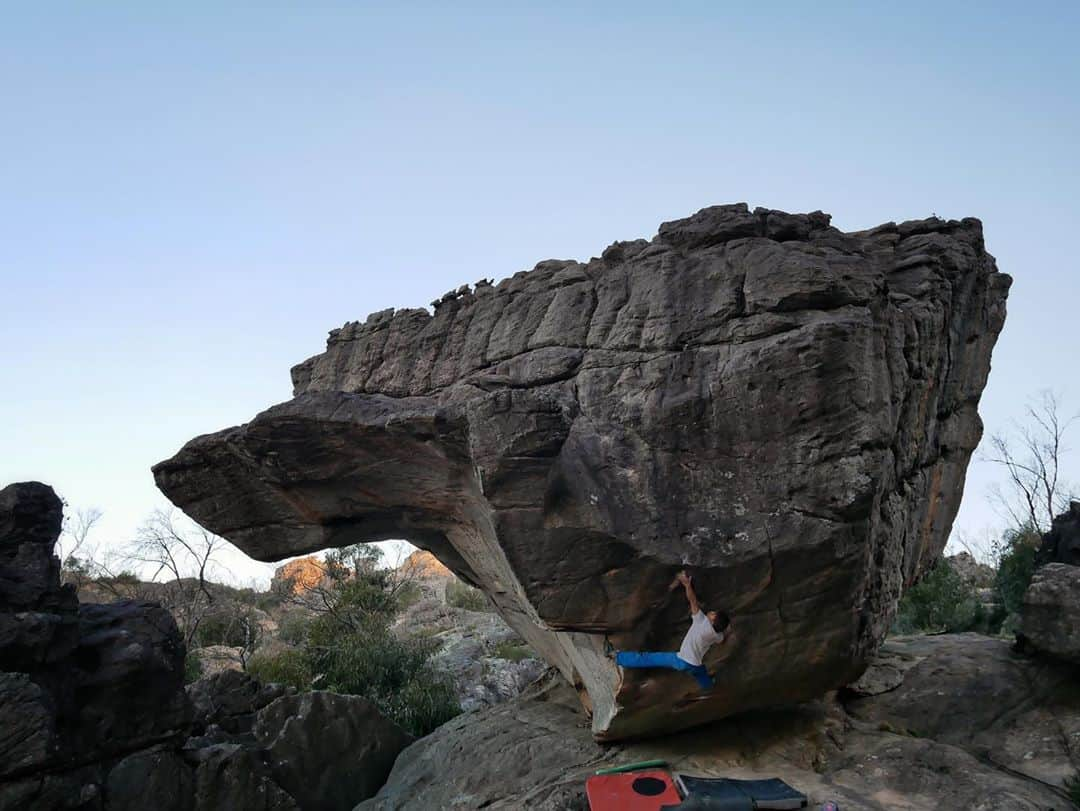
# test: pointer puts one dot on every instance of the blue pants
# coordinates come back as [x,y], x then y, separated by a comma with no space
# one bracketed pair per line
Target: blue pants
[641,659]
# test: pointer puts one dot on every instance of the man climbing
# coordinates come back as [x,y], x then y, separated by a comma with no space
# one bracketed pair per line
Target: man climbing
[706,629]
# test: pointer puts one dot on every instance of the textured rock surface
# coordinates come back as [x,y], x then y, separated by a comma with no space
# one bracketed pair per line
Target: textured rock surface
[975,692]
[784,408]
[1050,615]
[328,751]
[298,576]
[229,699]
[536,751]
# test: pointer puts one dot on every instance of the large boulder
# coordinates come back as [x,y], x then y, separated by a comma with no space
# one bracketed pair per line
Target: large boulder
[784,408]
[1050,614]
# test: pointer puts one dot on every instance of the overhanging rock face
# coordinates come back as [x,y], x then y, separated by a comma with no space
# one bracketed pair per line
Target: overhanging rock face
[784,409]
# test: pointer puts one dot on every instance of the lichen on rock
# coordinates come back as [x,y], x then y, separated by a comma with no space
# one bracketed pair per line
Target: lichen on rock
[785,409]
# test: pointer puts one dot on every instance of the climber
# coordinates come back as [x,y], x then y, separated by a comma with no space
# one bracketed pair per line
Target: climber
[706,629]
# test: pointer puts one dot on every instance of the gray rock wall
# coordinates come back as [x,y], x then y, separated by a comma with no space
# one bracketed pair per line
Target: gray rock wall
[785,409]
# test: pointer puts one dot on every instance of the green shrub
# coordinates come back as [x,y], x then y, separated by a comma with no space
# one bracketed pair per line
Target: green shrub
[408,594]
[941,601]
[233,625]
[427,702]
[462,595]
[394,674]
[512,651]
[287,666]
[1016,566]
[293,627]
[192,668]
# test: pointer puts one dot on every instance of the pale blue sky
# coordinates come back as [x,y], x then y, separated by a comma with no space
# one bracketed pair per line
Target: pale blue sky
[194,195]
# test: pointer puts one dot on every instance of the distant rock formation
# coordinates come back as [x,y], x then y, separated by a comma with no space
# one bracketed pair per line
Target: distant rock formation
[785,409]
[975,574]
[298,576]
[423,565]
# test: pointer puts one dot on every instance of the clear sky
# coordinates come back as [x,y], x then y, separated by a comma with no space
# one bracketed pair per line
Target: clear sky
[194,193]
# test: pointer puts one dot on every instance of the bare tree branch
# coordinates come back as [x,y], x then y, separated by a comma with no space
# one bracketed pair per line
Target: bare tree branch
[1032,457]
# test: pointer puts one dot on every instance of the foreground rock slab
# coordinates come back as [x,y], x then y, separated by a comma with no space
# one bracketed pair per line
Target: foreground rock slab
[784,408]
[878,752]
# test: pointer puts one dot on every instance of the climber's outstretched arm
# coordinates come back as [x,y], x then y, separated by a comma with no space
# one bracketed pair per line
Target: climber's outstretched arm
[683,579]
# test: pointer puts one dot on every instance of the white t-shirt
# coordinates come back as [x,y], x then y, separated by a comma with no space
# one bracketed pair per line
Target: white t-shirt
[698,639]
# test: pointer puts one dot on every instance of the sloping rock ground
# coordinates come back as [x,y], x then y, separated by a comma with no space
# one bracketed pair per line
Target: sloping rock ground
[945,722]
[785,408]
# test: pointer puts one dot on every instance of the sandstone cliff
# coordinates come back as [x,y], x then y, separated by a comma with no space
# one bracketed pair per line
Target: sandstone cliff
[786,409]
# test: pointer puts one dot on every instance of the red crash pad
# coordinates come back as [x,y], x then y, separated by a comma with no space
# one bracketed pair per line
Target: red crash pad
[632,791]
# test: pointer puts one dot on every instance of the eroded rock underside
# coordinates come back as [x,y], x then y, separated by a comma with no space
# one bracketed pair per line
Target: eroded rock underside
[785,409]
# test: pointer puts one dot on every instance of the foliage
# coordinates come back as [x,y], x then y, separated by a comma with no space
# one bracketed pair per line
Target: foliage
[293,627]
[394,674]
[192,668]
[941,601]
[408,594]
[229,624]
[1016,566]
[462,595]
[345,644]
[287,666]
[512,651]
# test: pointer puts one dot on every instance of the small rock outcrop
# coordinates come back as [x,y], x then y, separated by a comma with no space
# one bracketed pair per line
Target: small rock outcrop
[786,409]
[328,751]
[421,565]
[1050,614]
[298,576]
[94,715]
[975,574]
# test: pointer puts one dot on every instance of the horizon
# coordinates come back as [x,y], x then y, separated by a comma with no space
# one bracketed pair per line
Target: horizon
[197,197]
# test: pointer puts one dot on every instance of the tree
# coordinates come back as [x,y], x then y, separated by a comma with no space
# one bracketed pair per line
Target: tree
[73,548]
[183,556]
[352,588]
[1032,454]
